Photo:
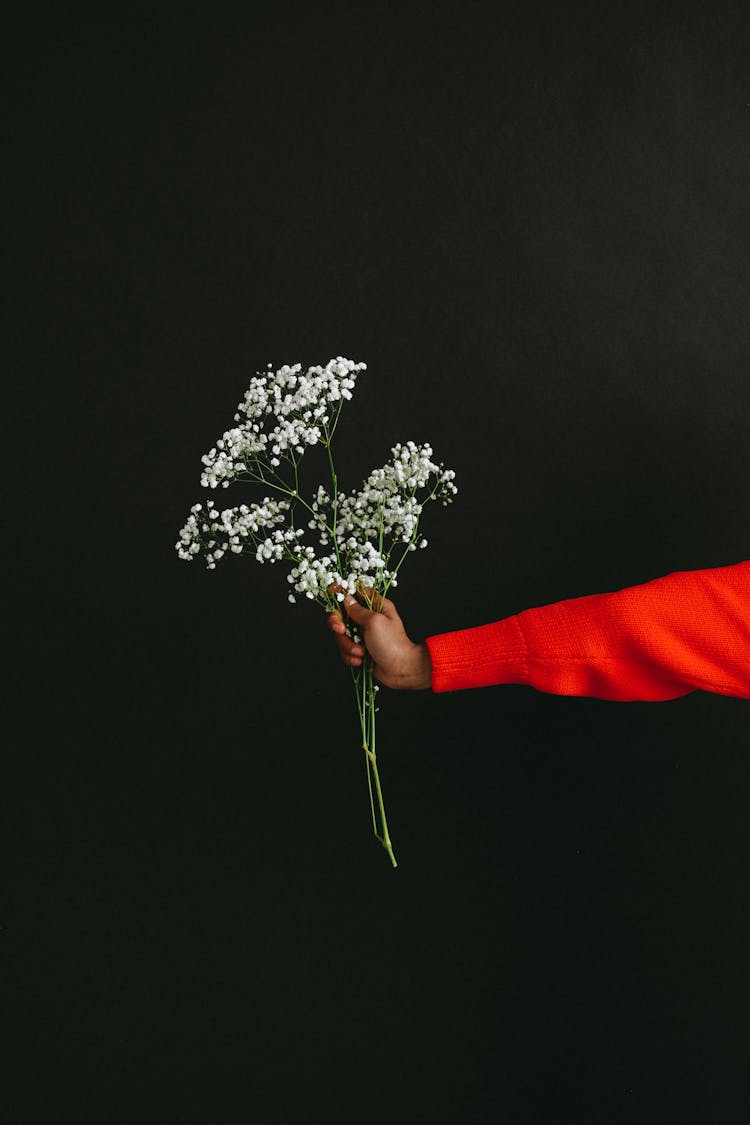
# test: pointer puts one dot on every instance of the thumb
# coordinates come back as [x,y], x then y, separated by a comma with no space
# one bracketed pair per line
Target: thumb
[358,613]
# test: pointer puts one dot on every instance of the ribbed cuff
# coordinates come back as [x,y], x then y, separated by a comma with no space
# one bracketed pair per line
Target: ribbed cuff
[479,657]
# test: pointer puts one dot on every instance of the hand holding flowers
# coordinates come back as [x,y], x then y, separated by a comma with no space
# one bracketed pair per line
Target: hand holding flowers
[363,537]
[396,661]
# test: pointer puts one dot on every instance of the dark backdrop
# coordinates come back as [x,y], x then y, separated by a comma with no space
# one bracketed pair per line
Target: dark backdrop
[534,230]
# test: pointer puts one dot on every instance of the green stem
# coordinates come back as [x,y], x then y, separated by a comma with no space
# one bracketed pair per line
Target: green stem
[335,420]
[369,749]
[400,561]
[413,539]
[289,492]
[335,481]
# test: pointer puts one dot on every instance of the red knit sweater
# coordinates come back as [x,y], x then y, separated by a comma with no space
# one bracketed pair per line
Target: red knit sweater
[689,630]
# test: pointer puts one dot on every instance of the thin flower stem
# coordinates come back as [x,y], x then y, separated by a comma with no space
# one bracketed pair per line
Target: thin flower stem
[334,479]
[335,421]
[400,561]
[369,789]
[358,678]
[362,680]
[289,492]
[384,838]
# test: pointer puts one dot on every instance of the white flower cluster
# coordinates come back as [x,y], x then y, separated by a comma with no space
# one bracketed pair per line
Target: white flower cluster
[302,406]
[356,533]
[231,530]
[314,576]
[386,505]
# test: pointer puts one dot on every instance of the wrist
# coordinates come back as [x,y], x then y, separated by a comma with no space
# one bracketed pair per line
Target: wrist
[415,673]
[422,668]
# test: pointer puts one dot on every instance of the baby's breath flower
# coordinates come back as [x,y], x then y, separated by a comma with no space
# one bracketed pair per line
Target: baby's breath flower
[284,412]
[238,526]
[359,539]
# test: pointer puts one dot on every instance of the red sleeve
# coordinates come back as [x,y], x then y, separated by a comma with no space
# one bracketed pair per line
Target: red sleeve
[689,630]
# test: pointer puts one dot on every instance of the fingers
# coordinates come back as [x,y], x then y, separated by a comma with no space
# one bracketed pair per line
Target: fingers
[358,613]
[378,602]
[350,652]
[375,601]
[335,623]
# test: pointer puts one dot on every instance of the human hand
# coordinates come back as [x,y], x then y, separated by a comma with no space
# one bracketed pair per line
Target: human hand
[397,662]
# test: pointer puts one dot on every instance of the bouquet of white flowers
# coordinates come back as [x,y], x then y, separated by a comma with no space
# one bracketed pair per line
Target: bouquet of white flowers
[362,537]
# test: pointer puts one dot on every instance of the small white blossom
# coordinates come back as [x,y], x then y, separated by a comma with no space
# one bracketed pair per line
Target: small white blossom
[239,525]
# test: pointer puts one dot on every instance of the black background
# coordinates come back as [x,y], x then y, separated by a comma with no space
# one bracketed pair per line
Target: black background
[534,230]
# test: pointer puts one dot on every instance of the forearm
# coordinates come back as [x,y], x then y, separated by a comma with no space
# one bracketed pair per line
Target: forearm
[689,630]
